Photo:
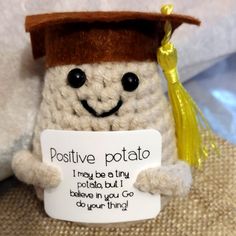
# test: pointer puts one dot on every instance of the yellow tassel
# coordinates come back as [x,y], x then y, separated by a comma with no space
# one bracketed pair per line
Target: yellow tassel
[189,120]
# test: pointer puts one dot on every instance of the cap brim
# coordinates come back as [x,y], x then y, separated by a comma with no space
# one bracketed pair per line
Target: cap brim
[35,22]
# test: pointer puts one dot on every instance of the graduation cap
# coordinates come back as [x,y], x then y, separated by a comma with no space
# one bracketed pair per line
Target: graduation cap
[90,37]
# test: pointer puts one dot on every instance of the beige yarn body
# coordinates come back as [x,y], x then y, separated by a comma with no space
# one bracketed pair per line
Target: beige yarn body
[144,108]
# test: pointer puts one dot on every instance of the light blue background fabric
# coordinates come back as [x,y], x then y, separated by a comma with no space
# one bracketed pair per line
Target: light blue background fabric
[214,90]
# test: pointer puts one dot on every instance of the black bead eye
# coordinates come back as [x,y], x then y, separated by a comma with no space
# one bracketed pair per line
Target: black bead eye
[130,81]
[76,78]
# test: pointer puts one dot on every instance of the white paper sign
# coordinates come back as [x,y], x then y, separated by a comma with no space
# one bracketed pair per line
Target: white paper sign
[98,172]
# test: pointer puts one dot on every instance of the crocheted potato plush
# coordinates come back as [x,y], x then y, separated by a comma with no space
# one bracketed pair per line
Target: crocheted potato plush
[102,75]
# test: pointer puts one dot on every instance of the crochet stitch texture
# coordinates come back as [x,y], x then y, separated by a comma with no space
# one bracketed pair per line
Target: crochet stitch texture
[144,108]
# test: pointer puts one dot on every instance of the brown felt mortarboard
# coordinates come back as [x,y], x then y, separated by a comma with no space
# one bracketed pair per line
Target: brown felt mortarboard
[90,37]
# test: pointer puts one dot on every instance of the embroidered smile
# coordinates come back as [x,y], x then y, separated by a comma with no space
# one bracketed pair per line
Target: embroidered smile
[104,114]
